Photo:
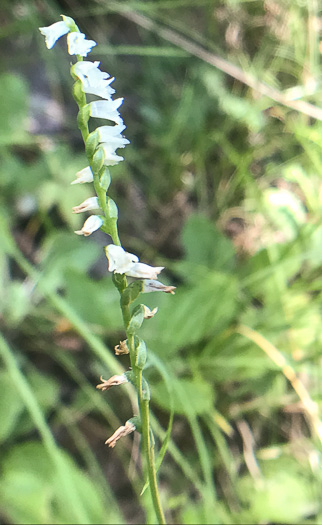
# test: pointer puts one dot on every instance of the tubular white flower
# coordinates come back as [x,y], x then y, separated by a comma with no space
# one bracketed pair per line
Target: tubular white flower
[156,286]
[119,261]
[106,133]
[93,223]
[78,45]
[110,157]
[106,109]
[87,205]
[113,139]
[94,81]
[144,271]
[53,33]
[84,175]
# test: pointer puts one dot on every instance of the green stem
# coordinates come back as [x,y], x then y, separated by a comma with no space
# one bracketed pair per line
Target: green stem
[147,446]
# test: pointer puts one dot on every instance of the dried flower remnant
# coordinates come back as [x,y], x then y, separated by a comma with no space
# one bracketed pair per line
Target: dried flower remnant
[122,348]
[123,431]
[148,313]
[112,381]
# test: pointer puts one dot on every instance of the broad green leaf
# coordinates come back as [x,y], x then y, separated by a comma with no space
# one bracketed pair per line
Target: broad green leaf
[195,312]
[196,396]
[206,246]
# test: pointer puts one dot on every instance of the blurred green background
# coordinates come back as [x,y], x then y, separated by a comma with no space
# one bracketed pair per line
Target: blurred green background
[221,185]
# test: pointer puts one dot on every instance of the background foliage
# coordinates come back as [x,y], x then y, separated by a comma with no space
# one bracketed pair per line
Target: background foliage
[222,185]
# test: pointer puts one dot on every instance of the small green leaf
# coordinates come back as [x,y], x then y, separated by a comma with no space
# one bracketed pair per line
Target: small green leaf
[140,350]
[131,293]
[91,143]
[83,116]
[136,320]
[98,160]
[105,179]
[112,209]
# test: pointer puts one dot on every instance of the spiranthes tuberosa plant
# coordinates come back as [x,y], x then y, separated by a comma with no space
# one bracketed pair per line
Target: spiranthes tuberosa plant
[100,146]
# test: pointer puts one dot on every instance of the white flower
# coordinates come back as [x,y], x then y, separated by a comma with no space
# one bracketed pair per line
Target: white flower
[106,109]
[156,286]
[87,205]
[126,263]
[93,223]
[94,81]
[144,271]
[110,157]
[107,132]
[111,136]
[78,45]
[84,175]
[53,33]
[119,261]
